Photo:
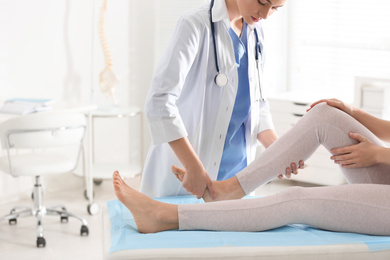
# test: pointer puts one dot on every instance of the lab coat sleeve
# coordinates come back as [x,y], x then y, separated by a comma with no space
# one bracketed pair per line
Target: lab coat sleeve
[165,122]
[265,117]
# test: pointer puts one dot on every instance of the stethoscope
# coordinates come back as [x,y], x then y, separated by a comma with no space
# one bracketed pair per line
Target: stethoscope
[221,79]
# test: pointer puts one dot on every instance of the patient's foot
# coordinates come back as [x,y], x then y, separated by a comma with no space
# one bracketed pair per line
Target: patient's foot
[150,215]
[229,189]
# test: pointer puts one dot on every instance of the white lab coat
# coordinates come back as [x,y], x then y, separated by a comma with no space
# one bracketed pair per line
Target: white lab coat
[185,101]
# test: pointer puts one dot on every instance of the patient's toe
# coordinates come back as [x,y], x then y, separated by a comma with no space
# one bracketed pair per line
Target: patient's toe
[179,172]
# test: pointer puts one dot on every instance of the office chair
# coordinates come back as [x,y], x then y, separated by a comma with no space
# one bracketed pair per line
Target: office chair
[39,144]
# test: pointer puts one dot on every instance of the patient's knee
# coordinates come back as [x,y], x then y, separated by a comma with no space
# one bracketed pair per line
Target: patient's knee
[321,109]
[325,113]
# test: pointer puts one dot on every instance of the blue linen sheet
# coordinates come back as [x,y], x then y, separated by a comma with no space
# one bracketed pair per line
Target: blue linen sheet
[125,236]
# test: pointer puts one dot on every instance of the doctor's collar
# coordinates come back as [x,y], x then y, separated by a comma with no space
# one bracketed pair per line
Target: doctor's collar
[220,13]
[251,27]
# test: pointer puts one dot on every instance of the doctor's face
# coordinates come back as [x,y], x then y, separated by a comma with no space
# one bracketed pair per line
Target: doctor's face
[254,10]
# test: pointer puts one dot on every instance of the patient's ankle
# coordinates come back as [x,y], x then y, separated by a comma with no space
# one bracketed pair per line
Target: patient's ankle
[233,188]
[229,189]
[168,215]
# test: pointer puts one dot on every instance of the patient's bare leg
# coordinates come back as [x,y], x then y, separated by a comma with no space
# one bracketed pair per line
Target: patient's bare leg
[150,215]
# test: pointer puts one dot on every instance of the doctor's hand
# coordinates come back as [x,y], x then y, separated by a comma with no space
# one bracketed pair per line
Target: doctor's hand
[334,103]
[195,180]
[363,154]
[293,169]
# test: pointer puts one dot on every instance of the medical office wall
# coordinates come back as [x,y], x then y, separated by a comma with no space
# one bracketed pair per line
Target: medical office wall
[52,49]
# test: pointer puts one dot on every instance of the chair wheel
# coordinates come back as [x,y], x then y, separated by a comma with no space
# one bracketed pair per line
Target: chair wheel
[84,230]
[93,209]
[12,221]
[41,242]
[64,219]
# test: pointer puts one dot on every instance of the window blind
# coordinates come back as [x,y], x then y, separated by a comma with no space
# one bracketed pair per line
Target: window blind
[331,42]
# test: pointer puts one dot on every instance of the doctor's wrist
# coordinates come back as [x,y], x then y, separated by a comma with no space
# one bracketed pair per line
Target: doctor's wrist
[194,168]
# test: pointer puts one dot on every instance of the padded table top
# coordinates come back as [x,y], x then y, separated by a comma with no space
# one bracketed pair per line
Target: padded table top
[124,240]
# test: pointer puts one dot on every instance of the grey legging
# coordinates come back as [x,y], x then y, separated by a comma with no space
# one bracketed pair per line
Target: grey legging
[362,206]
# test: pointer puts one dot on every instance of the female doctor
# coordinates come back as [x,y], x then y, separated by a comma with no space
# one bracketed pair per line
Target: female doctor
[205,108]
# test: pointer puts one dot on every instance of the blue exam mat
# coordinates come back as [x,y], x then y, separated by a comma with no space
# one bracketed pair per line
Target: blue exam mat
[125,236]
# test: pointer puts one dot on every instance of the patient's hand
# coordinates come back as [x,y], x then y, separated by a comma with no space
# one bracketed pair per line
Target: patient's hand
[293,169]
[363,154]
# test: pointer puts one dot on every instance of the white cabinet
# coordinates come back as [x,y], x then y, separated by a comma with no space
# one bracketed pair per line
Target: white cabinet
[319,169]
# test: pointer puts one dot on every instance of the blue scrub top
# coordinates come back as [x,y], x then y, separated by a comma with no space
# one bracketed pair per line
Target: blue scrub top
[234,152]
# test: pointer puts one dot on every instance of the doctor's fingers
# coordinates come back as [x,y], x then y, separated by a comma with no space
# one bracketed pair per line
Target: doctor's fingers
[193,193]
[179,177]
[199,195]
[190,190]
[196,191]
